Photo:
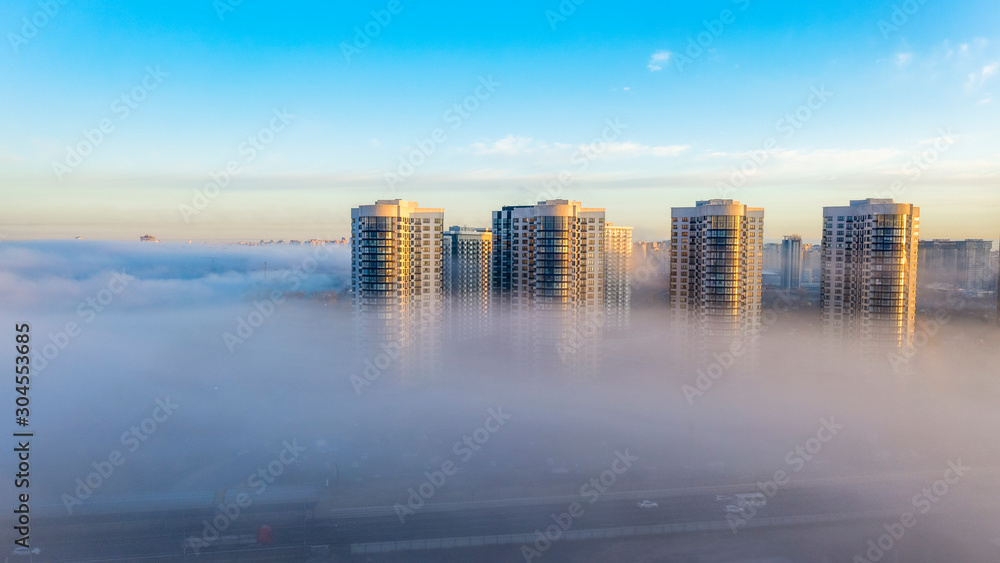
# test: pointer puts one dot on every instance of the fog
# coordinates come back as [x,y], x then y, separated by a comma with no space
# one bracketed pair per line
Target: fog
[159,334]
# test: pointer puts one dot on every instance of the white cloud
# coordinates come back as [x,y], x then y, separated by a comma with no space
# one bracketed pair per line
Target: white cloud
[511,145]
[657,60]
[977,78]
[835,159]
[631,149]
[970,84]
[970,64]
[796,164]
[903,59]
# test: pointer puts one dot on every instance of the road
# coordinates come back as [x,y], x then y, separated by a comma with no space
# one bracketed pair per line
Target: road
[159,534]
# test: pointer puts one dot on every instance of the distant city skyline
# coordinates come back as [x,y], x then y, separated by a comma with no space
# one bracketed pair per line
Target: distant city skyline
[323,231]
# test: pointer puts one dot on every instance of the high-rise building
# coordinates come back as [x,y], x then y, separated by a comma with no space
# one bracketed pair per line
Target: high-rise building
[548,277]
[716,264]
[772,265]
[868,288]
[791,262]
[772,258]
[962,264]
[467,269]
[640,250]
[396,275]
[653,257]
[812,263]
[617,276]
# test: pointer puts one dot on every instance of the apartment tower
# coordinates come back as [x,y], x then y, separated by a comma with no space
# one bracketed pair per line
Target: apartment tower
[548,278]
[617,276]
[961,264]
[467,264]
[869,283]
[716,267]
[791,262]
[396,278]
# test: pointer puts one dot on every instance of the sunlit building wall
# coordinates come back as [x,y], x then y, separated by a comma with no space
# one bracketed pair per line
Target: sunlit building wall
[716,267]
[396,275]
[869,283]
[812,263]
[548,278]
[617,276]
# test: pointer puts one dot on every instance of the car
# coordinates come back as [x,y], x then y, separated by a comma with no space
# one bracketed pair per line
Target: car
[733,509]
[647,504]
[756,500]
[723,498]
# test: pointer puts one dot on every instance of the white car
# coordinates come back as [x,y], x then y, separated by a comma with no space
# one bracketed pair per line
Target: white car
[733,509]
[647,504]
[756,500]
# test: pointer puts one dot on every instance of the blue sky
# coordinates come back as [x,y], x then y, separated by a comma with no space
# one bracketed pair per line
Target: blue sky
[921,86]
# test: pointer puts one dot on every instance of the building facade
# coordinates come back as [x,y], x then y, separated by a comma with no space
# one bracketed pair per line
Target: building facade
[396,278]
[812,263]
[791,262]
[467,266]
[651,257]
[617,276]
[868,287]
[716,268]
[548,277]
[961,264]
